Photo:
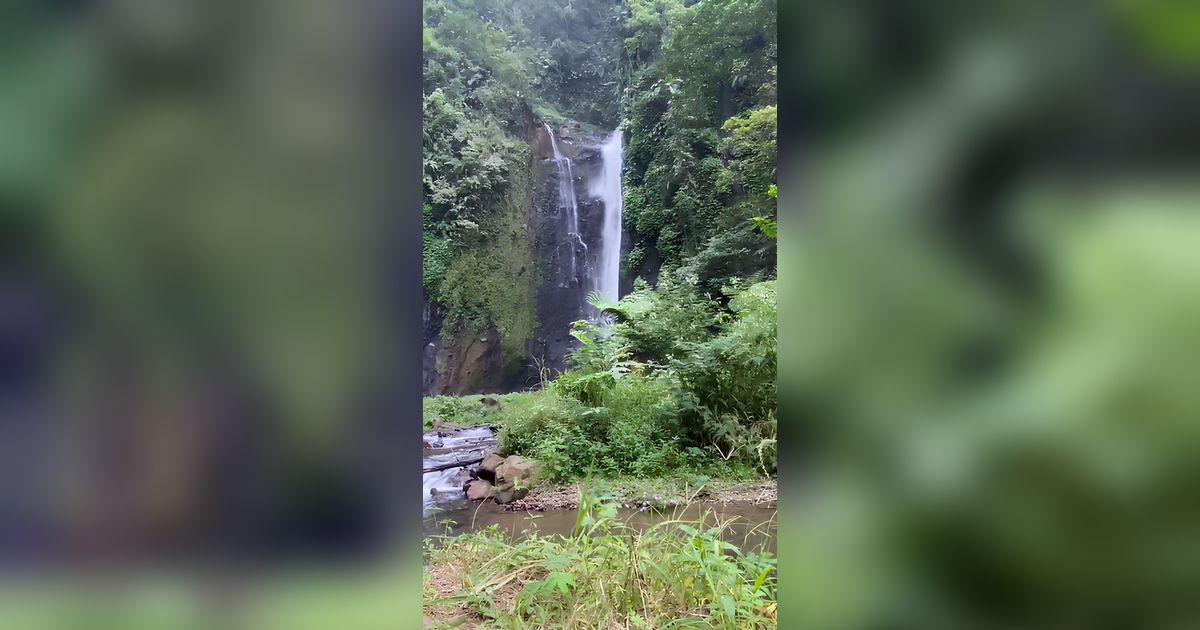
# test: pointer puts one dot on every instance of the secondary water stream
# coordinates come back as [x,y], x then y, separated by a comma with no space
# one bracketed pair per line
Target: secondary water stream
[444,488]
[568,203]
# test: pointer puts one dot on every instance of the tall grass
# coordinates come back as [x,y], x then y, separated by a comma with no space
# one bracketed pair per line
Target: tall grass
[674,574]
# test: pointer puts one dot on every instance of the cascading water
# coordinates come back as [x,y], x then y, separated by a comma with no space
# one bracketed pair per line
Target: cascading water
[608,189]
[445,486]
[567,202]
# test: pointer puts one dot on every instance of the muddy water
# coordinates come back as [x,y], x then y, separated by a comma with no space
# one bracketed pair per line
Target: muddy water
[750,527]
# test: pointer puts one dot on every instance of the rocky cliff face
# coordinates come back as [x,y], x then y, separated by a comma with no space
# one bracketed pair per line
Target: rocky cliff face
[476,364]
[562,297]
[463,364]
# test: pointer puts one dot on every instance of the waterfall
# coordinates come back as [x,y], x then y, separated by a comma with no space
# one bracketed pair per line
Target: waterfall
[608,189]
[567,202]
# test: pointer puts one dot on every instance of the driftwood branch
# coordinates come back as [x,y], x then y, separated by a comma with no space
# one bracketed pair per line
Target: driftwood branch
[458,464]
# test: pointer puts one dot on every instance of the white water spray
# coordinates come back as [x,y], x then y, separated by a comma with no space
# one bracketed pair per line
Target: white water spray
[608,189]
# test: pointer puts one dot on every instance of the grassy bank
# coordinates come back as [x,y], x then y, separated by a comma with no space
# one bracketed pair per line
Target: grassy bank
[448,412]
[606,575]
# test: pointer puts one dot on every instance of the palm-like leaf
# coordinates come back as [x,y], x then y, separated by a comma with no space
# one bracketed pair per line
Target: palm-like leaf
[598,302]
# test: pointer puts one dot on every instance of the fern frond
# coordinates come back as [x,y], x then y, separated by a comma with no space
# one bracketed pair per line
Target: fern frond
[598,302]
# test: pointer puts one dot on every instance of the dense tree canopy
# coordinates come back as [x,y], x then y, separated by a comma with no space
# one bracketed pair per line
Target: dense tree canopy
[700,114]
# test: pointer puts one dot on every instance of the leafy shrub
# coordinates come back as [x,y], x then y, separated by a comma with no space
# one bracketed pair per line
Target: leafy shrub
[752,145]
[709,405]
[743,254]
[654,323]
[436,255]
[548,432]
[586,387]
[727,385]
[643,425]
[632,430]
[598,362]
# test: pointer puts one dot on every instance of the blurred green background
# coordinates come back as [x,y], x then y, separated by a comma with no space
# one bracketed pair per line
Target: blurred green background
[198,324]
[989,266]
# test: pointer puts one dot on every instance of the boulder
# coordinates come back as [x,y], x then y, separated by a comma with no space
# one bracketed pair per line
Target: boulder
[479,490]
[512,479]
[489,465]
[513,467]
[509,492]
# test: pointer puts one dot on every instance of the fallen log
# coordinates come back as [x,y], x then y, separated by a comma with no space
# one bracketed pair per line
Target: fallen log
[458,464]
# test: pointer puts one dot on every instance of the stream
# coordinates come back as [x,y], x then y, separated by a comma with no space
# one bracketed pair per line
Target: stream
[448,512]
[444,488]
[749,527]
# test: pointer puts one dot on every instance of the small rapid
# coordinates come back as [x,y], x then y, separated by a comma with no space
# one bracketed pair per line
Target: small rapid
[444,488]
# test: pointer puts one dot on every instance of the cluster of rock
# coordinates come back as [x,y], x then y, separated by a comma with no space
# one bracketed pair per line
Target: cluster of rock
[502,479]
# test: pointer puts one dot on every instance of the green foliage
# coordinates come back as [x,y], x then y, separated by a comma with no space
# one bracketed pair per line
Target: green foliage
[767,225]
[722,47]
[633,260]
[751,146]
[741,255]
[547,432]
[579,50]
[436,257]
[675,383]
[467,166]
[679,380]
[607,574]
[632,429]
[701,118]
[482,271]
[491,69]
[464,410]
[661,320]
[727,384]
[645,29]
[483,290]
[643,425]
[469,411]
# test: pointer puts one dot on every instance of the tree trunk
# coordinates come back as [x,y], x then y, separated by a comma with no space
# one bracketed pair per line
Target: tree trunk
[458,464]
